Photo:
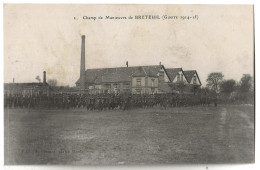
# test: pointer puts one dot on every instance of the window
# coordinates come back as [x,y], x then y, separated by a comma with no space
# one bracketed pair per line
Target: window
[138,82]
[178,77]
[152,82]
[138,91]
[108,86]
[161,76]
[194,80]
[117,85]
[126,90]
[181,77]
[126,85]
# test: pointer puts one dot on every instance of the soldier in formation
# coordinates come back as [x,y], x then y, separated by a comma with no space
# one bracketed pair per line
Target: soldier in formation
[101,102]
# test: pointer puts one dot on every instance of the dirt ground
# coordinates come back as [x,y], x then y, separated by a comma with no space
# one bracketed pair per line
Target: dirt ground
[223,134]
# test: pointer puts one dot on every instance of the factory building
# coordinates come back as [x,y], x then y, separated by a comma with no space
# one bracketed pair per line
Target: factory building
[135,79]
[27,89]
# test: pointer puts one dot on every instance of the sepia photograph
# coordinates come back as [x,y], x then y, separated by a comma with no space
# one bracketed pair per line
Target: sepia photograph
[129,84]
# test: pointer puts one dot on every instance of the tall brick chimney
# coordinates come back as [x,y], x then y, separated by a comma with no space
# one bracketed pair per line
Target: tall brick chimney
[82,63]
[44,78]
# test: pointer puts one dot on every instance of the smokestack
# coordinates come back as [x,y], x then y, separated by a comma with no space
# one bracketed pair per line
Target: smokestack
[13,80]
[160,63]
[126,63]
[82,63]
[44,78]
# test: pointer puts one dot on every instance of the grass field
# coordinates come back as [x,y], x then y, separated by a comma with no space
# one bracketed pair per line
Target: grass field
[223,134]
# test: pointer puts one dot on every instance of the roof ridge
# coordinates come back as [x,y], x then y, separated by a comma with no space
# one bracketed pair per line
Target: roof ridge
[189,70]
[121,67]
[144,71]
[174,68]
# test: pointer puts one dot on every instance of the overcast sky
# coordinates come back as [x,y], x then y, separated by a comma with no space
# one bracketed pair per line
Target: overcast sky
[47,38]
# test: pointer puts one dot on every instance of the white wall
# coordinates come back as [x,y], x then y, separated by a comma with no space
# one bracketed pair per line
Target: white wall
[197,79]
[181,74]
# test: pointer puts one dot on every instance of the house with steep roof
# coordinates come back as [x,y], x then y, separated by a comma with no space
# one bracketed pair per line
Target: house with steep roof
[192,77]
[176,75]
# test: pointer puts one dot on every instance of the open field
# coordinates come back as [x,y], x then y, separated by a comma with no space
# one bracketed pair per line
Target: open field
[223,134]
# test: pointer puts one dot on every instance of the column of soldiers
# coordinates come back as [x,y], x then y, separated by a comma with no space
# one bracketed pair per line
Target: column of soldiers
[104,101]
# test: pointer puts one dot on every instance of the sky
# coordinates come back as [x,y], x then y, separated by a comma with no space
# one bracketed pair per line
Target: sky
[47,38]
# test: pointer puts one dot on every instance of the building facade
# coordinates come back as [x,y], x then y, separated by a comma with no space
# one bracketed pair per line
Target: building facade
[135,80]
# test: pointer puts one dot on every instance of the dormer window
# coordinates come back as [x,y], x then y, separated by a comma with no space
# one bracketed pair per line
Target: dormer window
[161,76]
[194,80]
[138,82]
[178,77]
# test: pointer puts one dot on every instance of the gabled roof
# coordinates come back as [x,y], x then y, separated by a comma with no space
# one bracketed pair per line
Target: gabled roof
[189,75]
[119,74]
[172,72]
[114,77]
[152,71]
[139,72]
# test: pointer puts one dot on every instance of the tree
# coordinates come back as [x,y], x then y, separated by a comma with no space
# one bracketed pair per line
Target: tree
[205,91]
[38,78]
[52,82]
[214,80]
[195,88]
[228,86]
[246,83]
[245,89]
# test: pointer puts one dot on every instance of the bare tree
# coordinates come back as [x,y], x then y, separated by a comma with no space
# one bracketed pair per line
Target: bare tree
[38,78]
[52,82]
[214,80]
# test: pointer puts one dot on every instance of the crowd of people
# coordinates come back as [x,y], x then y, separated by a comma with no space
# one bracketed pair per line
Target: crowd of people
[104,101]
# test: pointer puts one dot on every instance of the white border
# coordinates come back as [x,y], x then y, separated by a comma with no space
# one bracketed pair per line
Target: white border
[257,28]
[134,1]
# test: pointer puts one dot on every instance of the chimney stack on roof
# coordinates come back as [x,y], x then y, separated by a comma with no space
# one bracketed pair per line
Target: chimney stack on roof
[126,63]
[82,63]
[44,78]
[160,63]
